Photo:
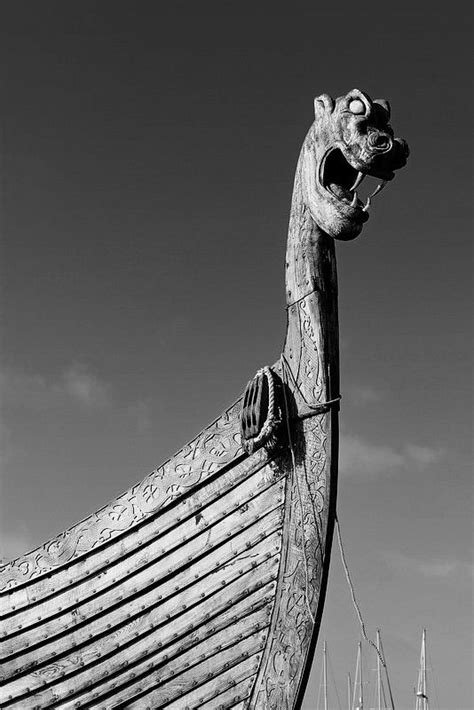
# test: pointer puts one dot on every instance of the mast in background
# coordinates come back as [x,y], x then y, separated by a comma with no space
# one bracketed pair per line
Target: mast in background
[323,683]
[379,674]
[422,690]
[358,703]
[325,676]
[380,686]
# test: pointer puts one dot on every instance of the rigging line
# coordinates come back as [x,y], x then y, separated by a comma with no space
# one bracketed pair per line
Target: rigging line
[354,600]
[289,305]
[295,475]
[317,408]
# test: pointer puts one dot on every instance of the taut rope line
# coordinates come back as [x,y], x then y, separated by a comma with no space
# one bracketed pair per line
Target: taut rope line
[321,407]
[289,305]
[354,600]
[284,370]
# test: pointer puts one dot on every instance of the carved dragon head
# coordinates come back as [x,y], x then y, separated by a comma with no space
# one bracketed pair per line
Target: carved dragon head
[350,138]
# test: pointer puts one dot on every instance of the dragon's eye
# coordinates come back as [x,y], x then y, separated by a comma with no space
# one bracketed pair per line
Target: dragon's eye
[357,106]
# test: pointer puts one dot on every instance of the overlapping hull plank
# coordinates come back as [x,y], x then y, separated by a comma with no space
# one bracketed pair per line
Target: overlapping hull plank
[165,555]
[199,566]
[196,465]
[177,609]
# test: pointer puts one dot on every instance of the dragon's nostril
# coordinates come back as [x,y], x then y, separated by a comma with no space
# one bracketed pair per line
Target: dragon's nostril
[381,141]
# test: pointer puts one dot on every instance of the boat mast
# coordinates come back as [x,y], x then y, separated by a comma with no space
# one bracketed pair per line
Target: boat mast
[389,687]
[349,692]
[325,676]
[379,679]
[421,691]
[358,679]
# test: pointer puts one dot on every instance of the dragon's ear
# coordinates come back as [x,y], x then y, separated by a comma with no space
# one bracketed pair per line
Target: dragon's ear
[385,105]
[323,103]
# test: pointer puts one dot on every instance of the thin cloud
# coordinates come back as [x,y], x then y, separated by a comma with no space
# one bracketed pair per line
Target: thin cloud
[35,392]
[77,387]
[434,568]
[360,458]
[439,568]
[362,395]
[363,459]
[422,455]
[140,414]
[84,387]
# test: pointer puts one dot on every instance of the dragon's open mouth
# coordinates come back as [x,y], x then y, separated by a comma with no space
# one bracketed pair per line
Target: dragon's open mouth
[342,180]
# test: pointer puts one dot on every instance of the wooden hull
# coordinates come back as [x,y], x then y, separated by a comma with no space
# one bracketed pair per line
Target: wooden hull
[203,585]
[200,587]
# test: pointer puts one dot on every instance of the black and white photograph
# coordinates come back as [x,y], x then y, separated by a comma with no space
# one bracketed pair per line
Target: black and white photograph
[236,329]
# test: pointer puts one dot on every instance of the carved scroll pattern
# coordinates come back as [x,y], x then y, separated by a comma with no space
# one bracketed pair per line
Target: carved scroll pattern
[301,580]
[216,446]
[305,525]
[312,365]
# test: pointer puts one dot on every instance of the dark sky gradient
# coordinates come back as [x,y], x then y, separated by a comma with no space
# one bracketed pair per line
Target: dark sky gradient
[147,160]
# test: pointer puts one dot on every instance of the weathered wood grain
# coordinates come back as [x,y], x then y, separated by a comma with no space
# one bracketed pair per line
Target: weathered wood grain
[139,569]
[223,551]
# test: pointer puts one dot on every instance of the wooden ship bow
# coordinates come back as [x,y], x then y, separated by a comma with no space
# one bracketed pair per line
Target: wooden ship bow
[203,585]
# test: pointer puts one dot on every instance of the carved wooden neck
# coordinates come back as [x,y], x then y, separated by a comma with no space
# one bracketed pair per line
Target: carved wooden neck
[311,347]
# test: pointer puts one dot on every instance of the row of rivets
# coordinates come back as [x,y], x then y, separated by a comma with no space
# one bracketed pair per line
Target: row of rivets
[254,564]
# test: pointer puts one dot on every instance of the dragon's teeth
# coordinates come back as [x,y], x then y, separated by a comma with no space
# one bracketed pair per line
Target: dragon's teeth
[379,188]
[358,180]
[365,208]
[354,199]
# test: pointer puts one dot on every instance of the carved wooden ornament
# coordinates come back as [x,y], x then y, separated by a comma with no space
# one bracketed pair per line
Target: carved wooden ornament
[203,586]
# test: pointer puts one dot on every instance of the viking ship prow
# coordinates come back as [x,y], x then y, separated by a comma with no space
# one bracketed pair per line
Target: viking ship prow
[203,586]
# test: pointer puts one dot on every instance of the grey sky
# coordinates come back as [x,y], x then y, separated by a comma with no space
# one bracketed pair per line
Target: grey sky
[147,162]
